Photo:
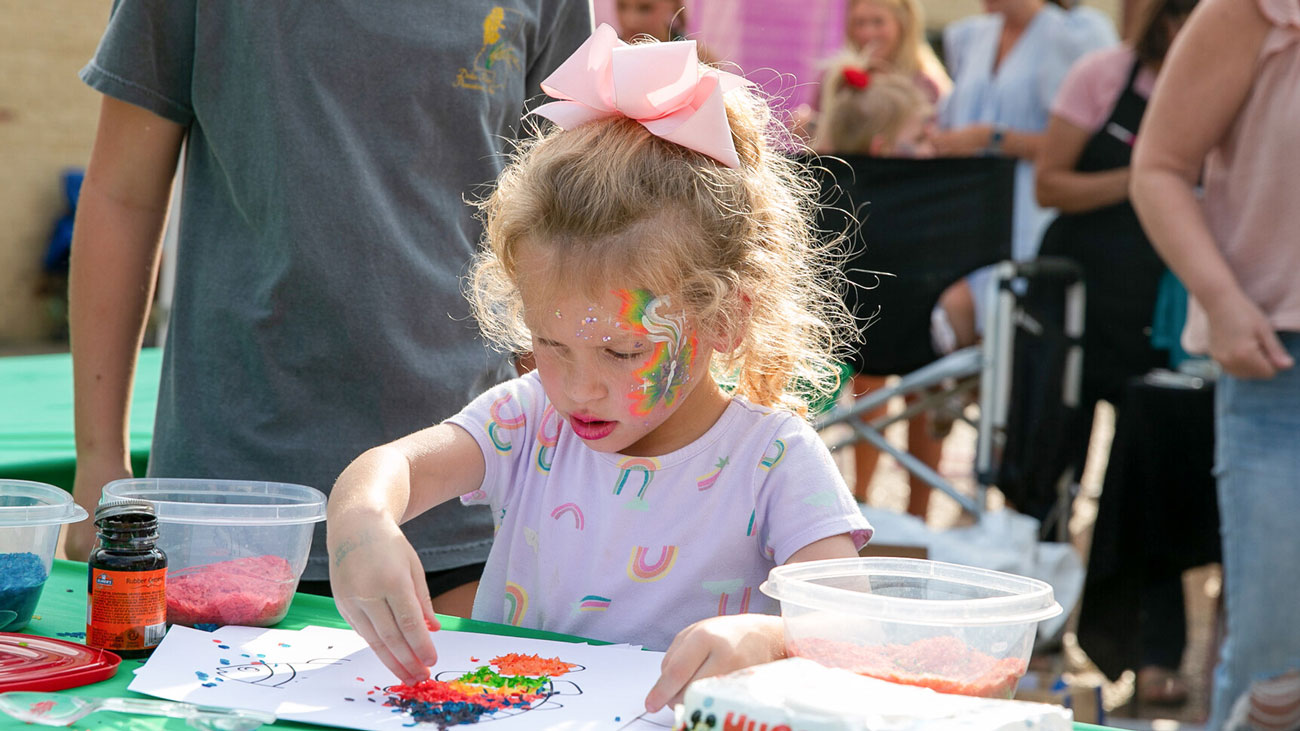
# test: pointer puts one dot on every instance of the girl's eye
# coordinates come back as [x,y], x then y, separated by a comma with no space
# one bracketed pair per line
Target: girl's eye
[620,355]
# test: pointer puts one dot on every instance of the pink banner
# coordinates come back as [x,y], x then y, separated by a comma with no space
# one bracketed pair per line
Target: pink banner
[778,44]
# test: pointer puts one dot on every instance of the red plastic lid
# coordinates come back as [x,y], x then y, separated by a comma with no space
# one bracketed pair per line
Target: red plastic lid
[28,662]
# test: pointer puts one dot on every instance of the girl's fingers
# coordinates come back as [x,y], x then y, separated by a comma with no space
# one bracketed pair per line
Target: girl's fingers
[680,666]
[395,628]
[361,624]
[426,607]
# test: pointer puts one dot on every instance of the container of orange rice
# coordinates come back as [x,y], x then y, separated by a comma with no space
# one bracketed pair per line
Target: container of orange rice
[953,629]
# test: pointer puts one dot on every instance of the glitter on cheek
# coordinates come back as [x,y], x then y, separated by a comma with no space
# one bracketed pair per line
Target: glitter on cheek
[590,320]
[606,339]
[558,316]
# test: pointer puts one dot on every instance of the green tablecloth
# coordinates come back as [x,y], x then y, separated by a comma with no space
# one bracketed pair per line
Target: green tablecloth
[36,437]
[63,609]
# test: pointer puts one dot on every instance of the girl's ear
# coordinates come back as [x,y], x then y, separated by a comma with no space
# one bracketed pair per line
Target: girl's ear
[729,341]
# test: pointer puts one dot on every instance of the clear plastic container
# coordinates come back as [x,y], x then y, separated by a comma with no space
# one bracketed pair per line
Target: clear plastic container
[955,629]
[235,549]
[31,514]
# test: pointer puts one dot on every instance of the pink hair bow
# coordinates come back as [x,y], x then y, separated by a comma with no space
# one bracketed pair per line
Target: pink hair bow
[661,85]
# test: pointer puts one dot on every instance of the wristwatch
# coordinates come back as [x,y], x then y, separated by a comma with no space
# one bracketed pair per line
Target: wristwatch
[996,137]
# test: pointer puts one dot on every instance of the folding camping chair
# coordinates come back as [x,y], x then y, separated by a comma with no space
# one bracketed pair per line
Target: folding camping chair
[916,227]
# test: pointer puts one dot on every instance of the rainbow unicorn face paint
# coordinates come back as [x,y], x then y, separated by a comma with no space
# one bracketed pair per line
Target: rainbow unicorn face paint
[668,367]
[623,372]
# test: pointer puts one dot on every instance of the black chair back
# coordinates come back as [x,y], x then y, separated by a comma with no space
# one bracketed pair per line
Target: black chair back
[920,226]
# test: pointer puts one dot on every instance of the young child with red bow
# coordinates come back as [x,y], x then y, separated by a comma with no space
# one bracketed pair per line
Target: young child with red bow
[879,113]
[656,256]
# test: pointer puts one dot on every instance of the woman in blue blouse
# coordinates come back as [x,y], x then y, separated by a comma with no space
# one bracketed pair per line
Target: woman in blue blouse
[1006,67]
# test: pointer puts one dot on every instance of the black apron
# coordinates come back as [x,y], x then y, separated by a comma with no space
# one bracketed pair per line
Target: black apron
[1121,270]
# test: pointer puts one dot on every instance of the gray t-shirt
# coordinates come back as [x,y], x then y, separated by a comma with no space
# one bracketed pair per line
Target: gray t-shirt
[323,236]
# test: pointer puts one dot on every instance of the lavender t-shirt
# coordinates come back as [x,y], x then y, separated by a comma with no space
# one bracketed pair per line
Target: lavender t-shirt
[634,549]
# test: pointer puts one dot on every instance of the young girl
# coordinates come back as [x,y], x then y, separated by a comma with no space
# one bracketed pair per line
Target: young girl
[890,34]
[875,113]
[652,251]
[883,114]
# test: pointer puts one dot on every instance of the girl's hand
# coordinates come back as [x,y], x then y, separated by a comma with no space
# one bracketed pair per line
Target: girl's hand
[380,589]
[715,646]
[1243,341]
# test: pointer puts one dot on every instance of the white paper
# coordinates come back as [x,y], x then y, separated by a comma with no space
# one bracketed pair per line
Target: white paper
[329,676]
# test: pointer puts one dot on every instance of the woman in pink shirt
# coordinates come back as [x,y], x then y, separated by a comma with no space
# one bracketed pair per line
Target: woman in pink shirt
[1227,108]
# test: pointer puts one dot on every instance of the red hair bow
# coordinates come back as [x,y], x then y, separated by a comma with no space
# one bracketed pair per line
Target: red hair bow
[857,78]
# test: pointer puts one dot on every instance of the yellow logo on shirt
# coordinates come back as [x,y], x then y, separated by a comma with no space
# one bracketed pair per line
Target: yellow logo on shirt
[496,59]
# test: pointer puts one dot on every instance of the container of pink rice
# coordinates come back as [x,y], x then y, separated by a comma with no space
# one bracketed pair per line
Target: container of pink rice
[235,549]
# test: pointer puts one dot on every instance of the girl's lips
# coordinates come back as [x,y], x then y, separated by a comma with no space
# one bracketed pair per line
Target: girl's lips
[591,429]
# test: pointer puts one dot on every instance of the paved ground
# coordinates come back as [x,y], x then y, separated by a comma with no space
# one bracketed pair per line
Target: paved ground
[889,490]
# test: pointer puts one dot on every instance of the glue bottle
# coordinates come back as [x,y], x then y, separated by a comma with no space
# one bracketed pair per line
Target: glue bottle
[126,607]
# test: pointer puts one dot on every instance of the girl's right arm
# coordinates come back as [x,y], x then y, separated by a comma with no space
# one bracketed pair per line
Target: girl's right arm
[376,577]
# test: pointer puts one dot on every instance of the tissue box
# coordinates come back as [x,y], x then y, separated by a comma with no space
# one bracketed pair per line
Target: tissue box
[801,695]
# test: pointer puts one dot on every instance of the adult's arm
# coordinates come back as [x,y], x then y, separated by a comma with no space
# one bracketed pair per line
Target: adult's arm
[115,247]
[1059,185]
[1207,78]
[974,139]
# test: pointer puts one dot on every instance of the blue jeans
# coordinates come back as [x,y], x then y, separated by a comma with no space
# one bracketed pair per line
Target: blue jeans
[1257,455]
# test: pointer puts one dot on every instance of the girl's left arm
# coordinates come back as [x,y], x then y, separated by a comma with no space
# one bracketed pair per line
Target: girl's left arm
[720,645]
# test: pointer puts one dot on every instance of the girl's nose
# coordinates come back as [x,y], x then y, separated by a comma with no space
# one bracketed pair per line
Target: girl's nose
[584,385]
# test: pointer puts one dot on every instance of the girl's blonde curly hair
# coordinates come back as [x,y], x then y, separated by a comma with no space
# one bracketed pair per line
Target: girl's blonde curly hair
[613,205]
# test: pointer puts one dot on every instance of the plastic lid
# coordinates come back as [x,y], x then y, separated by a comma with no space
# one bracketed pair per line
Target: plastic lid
[28,662]
[962,595]
[28,503]
[223,502]
[112,508]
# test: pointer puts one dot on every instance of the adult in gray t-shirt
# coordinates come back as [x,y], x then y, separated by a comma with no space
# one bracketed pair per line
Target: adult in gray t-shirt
[330,146]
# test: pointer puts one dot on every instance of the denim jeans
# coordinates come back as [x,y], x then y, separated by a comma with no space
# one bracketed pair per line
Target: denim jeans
[1257,455]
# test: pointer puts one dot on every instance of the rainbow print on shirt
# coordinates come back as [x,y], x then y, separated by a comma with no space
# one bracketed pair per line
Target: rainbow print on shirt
[632,469]
[593,603]
[570,509]
[640,571]
[708,479]
[772,457]
[726,590]
[548,435]
[516,603]
[500,425]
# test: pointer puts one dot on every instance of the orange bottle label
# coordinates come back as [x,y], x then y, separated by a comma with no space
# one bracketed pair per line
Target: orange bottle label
[126,610]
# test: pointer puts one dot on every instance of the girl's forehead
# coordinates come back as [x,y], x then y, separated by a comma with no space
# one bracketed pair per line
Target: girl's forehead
[619,311]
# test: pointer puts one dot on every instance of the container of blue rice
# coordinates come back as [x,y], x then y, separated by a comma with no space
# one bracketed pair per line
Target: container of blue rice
[31,514]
